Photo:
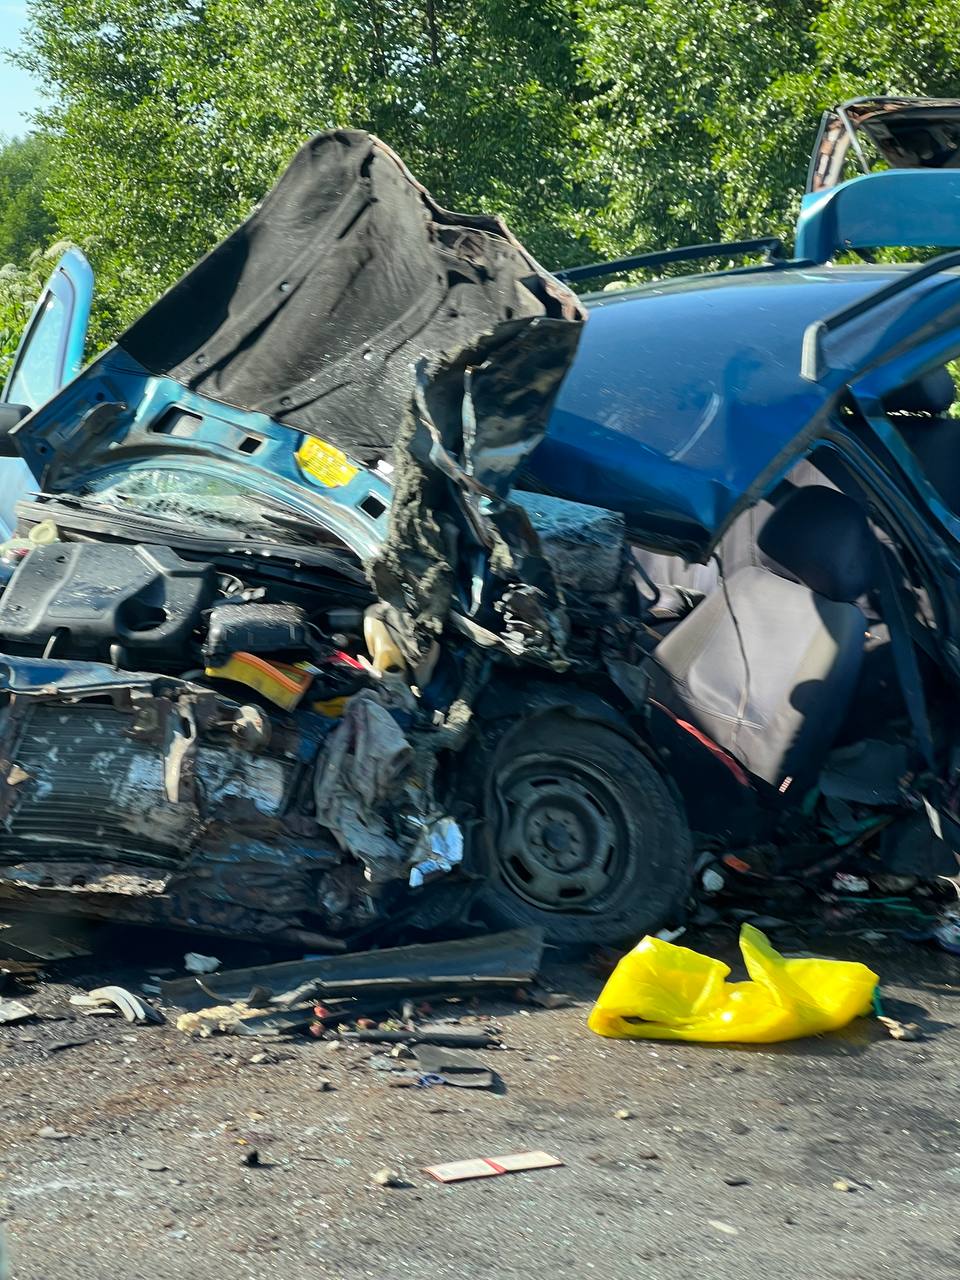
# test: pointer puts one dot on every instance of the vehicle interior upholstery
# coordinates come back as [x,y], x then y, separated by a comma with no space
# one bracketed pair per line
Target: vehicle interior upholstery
[776,652]
[768,662]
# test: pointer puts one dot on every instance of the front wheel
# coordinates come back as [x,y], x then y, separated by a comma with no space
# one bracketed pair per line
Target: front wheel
[581,835]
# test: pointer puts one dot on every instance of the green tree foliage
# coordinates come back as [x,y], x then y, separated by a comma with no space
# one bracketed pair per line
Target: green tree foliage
[703,115]
[25,223]
[26,229]
[173,118]
[594,126]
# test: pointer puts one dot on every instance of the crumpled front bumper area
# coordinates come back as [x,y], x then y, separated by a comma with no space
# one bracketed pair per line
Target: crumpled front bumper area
[145,798]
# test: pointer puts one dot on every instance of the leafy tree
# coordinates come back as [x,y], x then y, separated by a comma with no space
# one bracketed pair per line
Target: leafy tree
[858,48]
[172,119]
[676,113]
[25,223]
[594,126]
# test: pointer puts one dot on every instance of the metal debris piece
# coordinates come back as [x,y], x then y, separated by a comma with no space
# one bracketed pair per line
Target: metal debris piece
[492,1167]
[551,999]
[453,1067]
[133,1008]
[14,1011]
[42,939]
[17,970]
[455,1037]
[491,961]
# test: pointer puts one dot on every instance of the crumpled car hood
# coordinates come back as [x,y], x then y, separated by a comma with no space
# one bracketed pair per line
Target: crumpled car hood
[315,309]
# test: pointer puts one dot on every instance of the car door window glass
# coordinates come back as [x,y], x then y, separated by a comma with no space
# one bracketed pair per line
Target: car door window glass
[38,375]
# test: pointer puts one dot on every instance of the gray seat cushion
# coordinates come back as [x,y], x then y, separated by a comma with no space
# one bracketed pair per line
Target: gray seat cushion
[779,712]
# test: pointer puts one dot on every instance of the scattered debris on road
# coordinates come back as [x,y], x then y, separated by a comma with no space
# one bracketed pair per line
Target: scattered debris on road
[132,1007]
[491,1167]
[901,1030]
[488,962]
[453,1067]
[14,1011]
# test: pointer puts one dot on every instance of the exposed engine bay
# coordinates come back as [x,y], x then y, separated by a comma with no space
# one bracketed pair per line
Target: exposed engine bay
[188,746]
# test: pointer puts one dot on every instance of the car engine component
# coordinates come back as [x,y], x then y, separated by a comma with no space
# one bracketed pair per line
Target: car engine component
[254,627]
[84,598]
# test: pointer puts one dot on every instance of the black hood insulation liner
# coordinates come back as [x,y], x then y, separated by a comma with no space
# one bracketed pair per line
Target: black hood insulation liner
[316,309]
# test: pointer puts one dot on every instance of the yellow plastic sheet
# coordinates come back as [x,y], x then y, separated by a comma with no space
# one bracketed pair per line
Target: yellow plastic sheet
[663,992]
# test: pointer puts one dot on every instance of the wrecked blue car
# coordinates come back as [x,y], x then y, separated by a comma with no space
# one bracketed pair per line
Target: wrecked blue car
[364,587]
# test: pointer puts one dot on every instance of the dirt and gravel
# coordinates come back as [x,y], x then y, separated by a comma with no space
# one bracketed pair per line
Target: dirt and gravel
[128,1155]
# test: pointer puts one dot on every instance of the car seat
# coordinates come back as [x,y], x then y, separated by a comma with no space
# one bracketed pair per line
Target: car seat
[766,665]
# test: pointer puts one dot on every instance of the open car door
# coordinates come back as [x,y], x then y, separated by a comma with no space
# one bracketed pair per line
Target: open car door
[49,356]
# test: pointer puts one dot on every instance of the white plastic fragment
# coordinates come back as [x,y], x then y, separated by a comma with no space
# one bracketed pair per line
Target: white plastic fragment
[440,847]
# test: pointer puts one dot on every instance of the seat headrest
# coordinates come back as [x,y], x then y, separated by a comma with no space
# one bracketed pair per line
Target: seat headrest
[933,393]
[821,537]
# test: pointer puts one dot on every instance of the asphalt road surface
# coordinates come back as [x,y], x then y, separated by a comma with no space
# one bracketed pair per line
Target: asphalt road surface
[724,1170]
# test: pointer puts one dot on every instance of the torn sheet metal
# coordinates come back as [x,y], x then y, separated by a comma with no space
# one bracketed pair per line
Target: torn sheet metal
[158,805]
[458,550]
[494,960]
[169,804]
[26,940]
[360,779]
[463,1070]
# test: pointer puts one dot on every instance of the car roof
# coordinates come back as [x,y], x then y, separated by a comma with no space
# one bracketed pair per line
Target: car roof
[685,392]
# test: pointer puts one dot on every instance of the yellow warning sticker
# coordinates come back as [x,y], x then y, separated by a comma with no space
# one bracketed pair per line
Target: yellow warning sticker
[325,464]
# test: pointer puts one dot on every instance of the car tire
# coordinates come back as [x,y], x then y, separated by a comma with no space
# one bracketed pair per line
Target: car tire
[580,835]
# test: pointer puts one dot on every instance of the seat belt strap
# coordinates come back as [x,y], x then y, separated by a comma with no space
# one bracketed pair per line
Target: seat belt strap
[905,658]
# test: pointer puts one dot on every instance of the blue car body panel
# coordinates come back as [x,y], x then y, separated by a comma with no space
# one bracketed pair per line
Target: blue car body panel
[686,398]
[163,425]
[50,355]
[63,312]
[908,208]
